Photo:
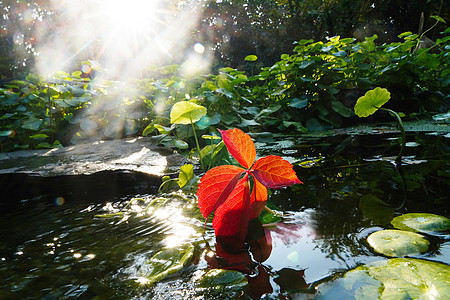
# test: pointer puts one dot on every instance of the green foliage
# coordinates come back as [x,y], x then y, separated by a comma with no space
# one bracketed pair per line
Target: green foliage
[34,109]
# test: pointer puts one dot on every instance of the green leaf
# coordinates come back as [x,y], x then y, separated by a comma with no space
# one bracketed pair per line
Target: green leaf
[341,109]
[186,175]
[39,136]
[397,243]
[397,278]
[439,19]
[185,112]
[166,262]
[32,124]
[251,58]
[371,101]
[375,209]
[222,279]
[421,222]
[299,103]
[180,144]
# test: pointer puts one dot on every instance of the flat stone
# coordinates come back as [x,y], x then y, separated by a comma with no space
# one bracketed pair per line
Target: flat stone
[131,154]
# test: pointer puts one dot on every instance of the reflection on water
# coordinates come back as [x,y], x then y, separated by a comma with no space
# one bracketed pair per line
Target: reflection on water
[61,249]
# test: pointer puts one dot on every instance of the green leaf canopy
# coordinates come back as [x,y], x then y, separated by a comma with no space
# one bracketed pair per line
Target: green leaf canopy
[371,101]
[185,112]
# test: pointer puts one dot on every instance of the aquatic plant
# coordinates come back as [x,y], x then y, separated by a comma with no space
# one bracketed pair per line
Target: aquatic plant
[226,189]
[371,102]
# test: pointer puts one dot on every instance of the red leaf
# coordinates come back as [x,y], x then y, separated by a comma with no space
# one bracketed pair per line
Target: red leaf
[240,146]
[232,217]
[274,172]
[258,199]
[215,187]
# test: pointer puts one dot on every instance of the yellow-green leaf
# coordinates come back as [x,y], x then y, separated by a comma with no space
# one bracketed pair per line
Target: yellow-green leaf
[371,101]
[185,112]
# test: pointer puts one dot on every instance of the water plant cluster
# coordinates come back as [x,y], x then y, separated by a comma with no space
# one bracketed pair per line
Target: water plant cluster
[313,88]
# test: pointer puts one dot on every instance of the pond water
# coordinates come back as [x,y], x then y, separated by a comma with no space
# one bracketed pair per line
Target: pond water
[66,249]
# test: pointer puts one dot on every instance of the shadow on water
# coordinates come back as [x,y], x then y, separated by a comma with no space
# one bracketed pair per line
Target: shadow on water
[352,187]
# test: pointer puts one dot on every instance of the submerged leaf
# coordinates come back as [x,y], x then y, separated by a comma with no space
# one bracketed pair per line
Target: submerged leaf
[371,101]
[398,242]
[222,279]
[167,262]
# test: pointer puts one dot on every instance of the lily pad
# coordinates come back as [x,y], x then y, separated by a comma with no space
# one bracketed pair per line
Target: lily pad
[185,112]
[166,262]
[396,278]
[371,101]
[223,279]
[421,222]
[397,243]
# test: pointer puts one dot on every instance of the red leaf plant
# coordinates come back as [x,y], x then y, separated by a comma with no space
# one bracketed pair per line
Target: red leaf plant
[226,189]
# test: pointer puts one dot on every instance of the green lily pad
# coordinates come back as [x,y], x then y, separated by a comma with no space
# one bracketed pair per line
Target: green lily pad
[397,243]
[371,101]
[396,278]
[418,222]
[166,262]
[222,279]
[185,112]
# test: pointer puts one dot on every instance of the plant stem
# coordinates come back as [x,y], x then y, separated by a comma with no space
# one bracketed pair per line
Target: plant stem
[402,128]
[198,146]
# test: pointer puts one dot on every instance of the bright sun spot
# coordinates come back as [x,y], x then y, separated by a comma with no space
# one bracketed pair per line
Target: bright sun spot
[125,37]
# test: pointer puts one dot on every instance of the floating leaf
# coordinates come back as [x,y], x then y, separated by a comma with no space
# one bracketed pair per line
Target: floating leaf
[185,112]
[398,243]
[371,101]
[397,278]
[421,222]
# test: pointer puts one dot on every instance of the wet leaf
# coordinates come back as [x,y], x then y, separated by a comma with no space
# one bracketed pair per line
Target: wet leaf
[371,101]
[398,243]
[222,279]
[166,262]
[185,112]
[397,278]
[421,222]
